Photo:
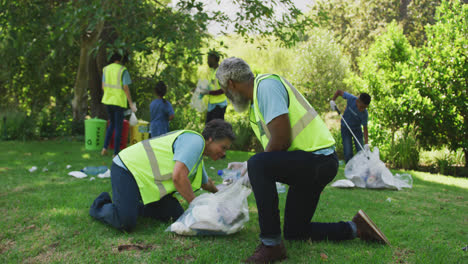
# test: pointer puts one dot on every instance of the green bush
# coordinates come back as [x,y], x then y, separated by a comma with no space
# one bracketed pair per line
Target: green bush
[404,153]
[336,132]
[17,125]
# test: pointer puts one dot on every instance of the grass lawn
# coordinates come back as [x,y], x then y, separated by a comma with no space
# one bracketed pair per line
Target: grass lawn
[44,217]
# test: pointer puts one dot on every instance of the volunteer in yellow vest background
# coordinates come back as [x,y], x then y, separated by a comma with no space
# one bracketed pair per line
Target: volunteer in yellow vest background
[145,175]
[217,102]
[115,82]
[299,151]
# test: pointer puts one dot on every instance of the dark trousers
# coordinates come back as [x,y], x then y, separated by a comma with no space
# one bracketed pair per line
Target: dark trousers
[348,140]
[122,213]
[216,113]
[307,175]
[116,117]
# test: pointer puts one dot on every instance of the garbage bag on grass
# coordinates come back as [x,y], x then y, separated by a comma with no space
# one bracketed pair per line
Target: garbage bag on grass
[366,170]
[221,213]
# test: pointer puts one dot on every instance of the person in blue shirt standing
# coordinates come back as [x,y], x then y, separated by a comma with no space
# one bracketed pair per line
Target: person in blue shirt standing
[355,116]
[161,111]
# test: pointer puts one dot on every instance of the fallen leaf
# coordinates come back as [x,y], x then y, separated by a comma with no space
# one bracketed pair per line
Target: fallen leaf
[323,256]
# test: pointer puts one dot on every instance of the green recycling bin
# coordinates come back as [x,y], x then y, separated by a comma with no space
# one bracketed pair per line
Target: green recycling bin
[95,133]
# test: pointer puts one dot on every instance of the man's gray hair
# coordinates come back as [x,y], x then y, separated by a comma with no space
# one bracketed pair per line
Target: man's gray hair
[234,69]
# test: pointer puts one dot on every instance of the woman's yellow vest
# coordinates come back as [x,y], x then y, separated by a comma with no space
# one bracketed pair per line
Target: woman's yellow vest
[308,131]
[152,162]
[215,99]
[114,93]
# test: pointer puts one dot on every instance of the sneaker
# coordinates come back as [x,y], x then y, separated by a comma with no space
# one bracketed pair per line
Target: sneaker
[267,254]
[367,230]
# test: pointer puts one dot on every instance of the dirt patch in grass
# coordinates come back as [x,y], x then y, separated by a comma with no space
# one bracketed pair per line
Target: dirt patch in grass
[401,255]
[6,245]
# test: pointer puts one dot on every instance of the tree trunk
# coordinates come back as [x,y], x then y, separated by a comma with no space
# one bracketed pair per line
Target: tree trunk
[97,109]
[466,157]
[80,99]
[403,12]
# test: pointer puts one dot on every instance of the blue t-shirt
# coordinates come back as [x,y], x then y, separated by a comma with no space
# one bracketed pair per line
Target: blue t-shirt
[353,117]
[273,101]
[160,112]
[187,149]
[125,78]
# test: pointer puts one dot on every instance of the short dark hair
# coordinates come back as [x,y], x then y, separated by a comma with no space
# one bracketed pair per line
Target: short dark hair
[160,88]
[218,129]
[365,98]
[214,54]
[116,56]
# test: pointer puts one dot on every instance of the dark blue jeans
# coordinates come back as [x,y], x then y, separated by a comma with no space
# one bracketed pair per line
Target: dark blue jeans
[348,139]
[307,175]
[122,213]
[216,113]
[116,117]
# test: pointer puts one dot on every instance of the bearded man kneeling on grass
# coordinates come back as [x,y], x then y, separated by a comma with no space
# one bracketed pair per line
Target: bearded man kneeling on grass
[299,151]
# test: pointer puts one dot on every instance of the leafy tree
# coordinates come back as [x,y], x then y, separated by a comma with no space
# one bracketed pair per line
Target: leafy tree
[49,43]
[441,75]
[319,68]
[357,23]
[384,68]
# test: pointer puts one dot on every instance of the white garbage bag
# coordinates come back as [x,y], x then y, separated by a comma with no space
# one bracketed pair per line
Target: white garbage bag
[221,213]
[197,101]
[366,170]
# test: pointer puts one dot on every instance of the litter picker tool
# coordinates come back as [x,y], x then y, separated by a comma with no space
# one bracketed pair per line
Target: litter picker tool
[346,123]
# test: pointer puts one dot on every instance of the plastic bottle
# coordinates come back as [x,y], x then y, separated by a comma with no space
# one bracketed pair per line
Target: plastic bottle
[94,170]
[229,175]
[280,187]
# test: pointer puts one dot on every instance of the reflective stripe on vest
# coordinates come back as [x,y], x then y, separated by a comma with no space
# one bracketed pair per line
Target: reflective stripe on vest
[151,163]
[215,99]
[114,93]
[302,117]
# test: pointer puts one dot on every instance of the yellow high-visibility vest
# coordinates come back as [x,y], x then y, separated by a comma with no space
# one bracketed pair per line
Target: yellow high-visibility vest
[151,162]
[215,99]
[308,131]
[114,93]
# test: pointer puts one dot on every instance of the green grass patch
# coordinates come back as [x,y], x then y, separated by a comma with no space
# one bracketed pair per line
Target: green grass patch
[44,217]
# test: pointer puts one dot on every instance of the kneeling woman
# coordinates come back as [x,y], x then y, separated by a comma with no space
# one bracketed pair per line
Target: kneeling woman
[145,176]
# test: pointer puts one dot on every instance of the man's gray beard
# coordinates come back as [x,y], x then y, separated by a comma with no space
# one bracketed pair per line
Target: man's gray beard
[240,104]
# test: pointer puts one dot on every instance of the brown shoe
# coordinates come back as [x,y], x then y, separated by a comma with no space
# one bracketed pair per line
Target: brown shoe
[267,254]
[367,230]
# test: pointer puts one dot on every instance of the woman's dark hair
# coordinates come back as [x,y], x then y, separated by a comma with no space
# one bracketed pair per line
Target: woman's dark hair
[218,129]
[161,89]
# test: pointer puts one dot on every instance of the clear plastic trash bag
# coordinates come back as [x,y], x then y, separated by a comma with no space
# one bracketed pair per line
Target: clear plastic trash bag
[198,101]
[366,170]
[221,213]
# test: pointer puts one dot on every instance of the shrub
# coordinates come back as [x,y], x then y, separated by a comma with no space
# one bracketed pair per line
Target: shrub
[404,153]
[17,125]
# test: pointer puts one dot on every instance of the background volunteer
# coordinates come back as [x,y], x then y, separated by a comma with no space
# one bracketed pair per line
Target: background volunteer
[115,82]
[355,115]
[161,111]
[217,102]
